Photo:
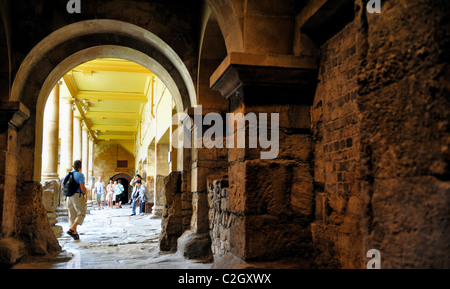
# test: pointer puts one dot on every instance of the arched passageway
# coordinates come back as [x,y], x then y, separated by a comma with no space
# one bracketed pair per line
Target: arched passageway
[125,180]
[71,46]
[56,55]
[358,101]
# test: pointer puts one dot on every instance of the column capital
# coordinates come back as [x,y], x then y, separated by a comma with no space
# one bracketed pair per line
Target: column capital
[68,100]
[84,125]
[91,135]
[14,113]
[266,78]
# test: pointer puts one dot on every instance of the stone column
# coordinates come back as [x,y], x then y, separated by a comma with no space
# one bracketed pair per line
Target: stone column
[173,151]
[91,160]
[161,171]
[207,164]
[85,152]
[76,139]
[270,196]
[51,137]
[50,143]
[66,123]
[150,181]
[13,117]
[171,223]
[162,159]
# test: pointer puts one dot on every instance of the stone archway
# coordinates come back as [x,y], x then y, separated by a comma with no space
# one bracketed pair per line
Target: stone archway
[228,20]
[127,189]
[83,41]
[47,62]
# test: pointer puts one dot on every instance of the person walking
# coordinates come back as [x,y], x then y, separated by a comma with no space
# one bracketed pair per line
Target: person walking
[100,190]
[119,190]
[76,204]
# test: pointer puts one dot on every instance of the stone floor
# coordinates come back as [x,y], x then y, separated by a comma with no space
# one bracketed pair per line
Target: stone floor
[112,239]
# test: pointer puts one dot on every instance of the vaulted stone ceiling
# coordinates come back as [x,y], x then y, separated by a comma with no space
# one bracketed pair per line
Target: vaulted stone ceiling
[109,95]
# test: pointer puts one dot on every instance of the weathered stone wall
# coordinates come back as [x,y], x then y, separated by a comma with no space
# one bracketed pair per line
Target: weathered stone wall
[105,161]
[186,209]
[150,187]
[172,217]
[32,222]
[51,199]
[335,126]
[220,218]
[405,131]
[159,197]
[380,127]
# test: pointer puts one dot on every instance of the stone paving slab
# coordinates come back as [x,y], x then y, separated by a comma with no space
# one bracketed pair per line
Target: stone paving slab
[112,239]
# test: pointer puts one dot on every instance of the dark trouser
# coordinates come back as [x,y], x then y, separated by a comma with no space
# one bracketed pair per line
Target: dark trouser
[141,207]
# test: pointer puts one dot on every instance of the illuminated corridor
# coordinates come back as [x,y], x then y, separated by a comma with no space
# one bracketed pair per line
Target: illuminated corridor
[111,239]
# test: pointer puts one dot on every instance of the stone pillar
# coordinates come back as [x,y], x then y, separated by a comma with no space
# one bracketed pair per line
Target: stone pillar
[150,180]
[50,200]
[77,138]
[205,163]
[51,137]
[91,160]
[270,196]
[50,174]
[151,175]
[13,117]
[162,159]
[161,171]
[173,161]
[85,152]
[171,222]
[66,124]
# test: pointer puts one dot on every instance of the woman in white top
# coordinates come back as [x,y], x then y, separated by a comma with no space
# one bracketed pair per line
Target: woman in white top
[110,193]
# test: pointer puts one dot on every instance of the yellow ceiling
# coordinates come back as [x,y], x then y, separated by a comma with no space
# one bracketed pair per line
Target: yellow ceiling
[110,95]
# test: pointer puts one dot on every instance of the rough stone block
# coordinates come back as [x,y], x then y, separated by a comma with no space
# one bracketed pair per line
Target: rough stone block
[270,238]
[172,218]
[302,193]
[405,222]
[11,251]
[195,246]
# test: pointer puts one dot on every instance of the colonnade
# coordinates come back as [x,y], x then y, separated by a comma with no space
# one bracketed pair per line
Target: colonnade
[66,138]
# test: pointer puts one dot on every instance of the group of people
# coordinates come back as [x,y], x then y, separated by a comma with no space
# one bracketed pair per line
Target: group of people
[76,204]
[113,193]
[140,193]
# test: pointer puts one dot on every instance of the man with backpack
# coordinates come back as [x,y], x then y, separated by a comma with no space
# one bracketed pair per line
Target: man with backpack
[74,189]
